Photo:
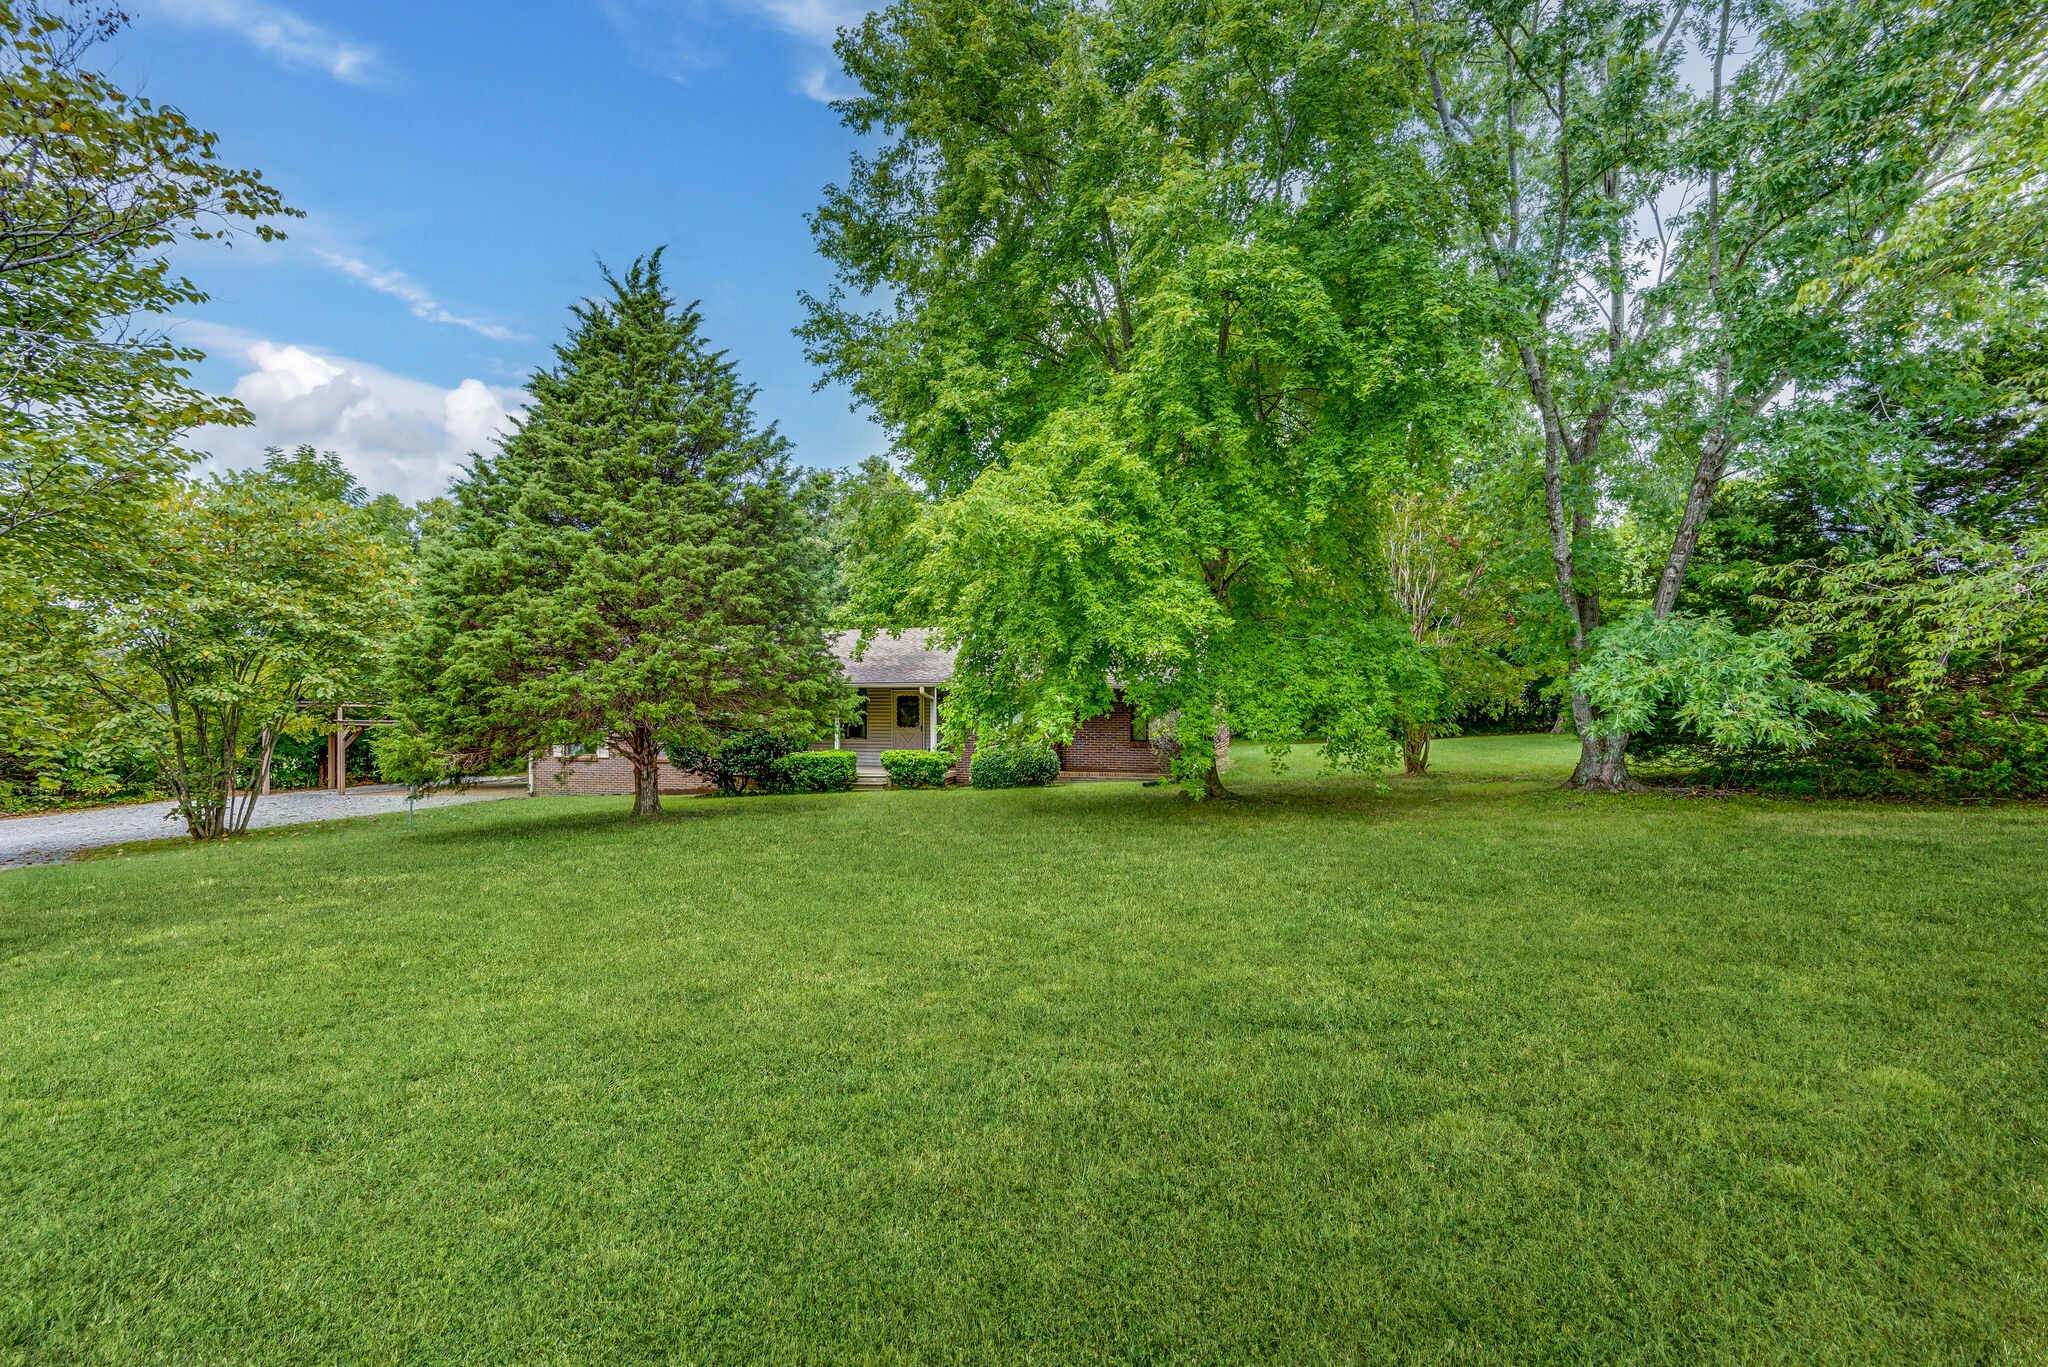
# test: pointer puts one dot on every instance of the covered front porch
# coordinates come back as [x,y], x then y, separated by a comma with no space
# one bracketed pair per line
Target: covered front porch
[892,718]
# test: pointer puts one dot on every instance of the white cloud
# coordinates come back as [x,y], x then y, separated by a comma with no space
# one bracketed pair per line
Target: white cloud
[397,434]
[676,33]
[819,83]
[291,38]
[817,20]
[403,287]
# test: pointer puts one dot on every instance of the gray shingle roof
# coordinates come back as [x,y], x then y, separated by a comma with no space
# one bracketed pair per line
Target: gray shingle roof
[899,658]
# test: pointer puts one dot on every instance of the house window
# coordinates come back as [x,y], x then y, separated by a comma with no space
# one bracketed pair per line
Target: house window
[1141,730]
[589,750]
[907,716]
[857,729]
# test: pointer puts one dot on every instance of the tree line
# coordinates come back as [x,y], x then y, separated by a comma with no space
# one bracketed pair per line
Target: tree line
[638,563]
[1289,370]
[1679,356]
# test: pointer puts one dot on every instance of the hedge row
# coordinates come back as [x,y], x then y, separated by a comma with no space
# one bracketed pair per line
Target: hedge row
[816,771]
[917,768]
[765,762]
[1013,768]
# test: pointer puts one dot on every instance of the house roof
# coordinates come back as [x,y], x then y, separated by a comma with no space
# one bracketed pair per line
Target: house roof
[901,658]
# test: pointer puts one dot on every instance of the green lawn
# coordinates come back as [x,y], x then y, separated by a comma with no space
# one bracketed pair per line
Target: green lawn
[1082,1074]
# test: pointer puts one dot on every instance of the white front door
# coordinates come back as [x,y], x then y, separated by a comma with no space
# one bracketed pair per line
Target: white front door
[908,714]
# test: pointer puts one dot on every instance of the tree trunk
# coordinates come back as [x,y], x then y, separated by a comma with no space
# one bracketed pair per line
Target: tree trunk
[239,812]
[1212,777]
[646,790]
[206,794]
[1564,719]
[641,748]
[1415,750]
[1603,761]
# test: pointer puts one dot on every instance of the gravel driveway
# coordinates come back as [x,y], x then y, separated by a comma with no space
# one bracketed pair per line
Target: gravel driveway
[51,839]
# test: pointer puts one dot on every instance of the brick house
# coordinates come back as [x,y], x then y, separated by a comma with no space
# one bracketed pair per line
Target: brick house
[901,678]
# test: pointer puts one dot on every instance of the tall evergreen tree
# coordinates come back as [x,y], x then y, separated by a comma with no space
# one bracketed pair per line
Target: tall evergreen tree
[638,563]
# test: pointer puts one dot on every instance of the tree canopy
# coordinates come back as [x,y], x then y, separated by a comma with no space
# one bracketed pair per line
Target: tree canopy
[96,184]
[638,564]
[258,597]
[1685,274]
[1167,303]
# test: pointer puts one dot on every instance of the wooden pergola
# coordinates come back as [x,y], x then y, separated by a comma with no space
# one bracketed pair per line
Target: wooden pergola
[346,728]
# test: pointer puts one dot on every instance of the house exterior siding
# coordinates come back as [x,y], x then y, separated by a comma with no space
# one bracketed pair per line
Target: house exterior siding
[883,733]
[893,667]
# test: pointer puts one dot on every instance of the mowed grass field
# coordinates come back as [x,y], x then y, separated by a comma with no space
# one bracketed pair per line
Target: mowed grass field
[1462,1070]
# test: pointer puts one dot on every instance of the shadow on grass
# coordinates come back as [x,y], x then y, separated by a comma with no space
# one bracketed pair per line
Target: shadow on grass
[1065,811]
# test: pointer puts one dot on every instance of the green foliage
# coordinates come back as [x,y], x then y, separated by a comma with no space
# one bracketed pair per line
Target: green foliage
[257,598]
[1725,687]
[96,187]
[1953,746]
[295,762]
[1168,307]
[1948,640]
[1451,572]
[1692,221]
[817,771]
[1004,767]
[873,510]
[315,474]
[638,562]
[741,762]
[1970,611]
[83,775]
[404,755]
[917,768]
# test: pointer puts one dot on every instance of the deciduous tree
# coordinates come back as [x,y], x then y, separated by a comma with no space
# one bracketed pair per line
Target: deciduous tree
[255,598]
[1450,577]
[1685,270]
[95,185]
[1167,309]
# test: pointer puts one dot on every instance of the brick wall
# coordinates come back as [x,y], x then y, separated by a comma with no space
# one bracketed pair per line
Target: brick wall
[1103,745]
[586,775]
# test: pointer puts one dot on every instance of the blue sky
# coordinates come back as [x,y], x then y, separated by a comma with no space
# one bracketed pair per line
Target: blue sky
[462,167]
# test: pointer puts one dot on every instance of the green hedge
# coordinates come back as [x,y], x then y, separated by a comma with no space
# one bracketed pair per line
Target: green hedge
[1013,768]
[917,768]
[739,761]
[817,771]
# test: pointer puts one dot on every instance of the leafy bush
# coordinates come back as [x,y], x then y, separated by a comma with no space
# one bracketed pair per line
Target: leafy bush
[1952,746]
[1006,768]
[917,768]
[817,771]
[742,762]
[406,756]
[77,776]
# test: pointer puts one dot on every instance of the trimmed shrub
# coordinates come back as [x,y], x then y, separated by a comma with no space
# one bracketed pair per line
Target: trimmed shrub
[917,768]
[1013,768]
[743,762]
[817,771]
